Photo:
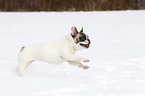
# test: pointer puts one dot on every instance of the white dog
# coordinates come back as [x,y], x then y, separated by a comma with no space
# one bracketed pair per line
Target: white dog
[56,52]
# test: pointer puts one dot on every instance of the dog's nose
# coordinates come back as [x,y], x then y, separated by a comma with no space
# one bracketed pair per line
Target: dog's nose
[89,41]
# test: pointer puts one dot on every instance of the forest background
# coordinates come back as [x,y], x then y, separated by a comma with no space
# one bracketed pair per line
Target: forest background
[70,5]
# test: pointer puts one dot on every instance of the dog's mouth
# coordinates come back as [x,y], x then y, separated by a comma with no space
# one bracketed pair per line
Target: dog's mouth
[85,45]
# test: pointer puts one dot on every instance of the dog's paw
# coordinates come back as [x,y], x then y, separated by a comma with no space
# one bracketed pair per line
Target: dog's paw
[85,67]
[87,60]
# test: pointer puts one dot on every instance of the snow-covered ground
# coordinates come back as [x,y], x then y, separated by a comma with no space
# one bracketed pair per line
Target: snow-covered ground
[117,54]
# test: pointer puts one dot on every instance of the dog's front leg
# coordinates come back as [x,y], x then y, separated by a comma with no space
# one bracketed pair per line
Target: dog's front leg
[77,63]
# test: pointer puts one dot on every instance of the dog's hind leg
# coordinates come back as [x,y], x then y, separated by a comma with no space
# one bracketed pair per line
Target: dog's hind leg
[22,67]
[24,60]
[77,63]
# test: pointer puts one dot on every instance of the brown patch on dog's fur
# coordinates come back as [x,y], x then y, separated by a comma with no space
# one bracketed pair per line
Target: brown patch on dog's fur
[22,48]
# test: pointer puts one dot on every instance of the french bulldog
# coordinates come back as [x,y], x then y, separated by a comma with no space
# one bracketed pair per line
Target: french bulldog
[55,52]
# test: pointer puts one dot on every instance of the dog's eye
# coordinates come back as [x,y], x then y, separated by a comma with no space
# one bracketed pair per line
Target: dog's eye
[82,38]
[87,37]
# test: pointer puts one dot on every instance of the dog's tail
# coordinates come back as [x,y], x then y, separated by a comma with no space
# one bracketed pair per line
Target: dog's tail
[22,48]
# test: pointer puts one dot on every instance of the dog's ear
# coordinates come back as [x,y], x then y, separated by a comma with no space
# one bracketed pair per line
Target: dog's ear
[74,31]
[81,30]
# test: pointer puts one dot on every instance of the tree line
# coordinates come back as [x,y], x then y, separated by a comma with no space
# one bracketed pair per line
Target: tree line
[70,5]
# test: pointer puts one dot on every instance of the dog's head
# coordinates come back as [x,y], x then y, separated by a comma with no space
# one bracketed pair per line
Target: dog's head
[80,38]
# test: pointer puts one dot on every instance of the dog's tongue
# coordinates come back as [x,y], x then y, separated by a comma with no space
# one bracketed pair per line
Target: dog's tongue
[85,42]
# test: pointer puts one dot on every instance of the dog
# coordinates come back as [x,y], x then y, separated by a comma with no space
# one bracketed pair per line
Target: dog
[55,52]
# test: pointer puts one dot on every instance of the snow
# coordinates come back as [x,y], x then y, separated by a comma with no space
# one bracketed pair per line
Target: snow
[117,54]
